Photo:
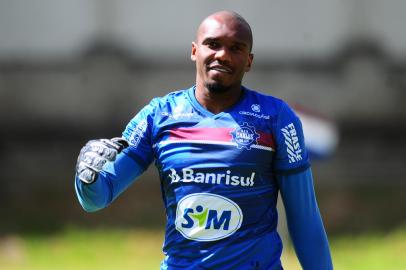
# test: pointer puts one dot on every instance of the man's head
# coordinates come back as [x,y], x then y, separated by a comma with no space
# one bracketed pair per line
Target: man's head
[222,51]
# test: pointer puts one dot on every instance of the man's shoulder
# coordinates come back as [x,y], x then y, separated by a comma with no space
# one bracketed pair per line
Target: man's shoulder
[266,101]
[170,97]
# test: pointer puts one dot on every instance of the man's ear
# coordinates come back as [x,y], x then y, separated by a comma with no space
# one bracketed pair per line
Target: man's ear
[249,63]
[193,53]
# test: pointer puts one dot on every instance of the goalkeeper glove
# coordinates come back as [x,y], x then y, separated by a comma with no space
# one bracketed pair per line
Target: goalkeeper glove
[95,154]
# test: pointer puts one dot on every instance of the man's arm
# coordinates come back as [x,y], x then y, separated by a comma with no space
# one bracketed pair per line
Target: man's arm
[304,221]
[110,182]
[107,167]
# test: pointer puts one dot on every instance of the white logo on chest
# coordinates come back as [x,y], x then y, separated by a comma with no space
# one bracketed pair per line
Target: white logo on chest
[207,217]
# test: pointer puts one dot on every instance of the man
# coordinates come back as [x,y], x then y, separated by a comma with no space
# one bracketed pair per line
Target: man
[223,153]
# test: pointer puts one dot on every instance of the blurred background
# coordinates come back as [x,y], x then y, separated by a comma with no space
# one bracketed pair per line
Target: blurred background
[71,71]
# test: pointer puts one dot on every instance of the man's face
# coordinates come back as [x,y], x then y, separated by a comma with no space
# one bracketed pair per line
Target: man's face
[222,54]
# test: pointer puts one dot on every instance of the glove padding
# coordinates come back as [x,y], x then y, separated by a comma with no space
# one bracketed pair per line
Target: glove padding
[95,154]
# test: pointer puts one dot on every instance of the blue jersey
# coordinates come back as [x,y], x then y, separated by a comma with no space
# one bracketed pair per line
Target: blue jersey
[218,176]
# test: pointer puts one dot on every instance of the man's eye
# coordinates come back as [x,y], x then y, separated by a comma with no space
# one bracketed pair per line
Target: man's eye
[213,44]
[235,48]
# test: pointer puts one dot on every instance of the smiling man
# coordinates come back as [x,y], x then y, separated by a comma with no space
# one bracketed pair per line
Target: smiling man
[224,153]
[222,52]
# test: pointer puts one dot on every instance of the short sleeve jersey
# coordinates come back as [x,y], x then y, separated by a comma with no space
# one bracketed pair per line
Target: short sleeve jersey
[217,174]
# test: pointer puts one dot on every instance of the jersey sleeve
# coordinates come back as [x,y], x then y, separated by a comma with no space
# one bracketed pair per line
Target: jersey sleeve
[291,155]
[117,176]
[305,224]
[139,135]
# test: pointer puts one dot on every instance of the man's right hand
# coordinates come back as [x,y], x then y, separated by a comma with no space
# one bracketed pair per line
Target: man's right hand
[95,154]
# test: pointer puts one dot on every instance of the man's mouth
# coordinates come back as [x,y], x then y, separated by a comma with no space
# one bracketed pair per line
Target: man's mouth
[220,68]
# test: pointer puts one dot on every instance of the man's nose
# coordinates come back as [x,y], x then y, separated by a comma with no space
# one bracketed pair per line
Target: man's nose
[222,54]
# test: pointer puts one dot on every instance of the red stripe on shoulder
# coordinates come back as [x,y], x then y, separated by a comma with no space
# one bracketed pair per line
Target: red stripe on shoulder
[266,139]
[212,134]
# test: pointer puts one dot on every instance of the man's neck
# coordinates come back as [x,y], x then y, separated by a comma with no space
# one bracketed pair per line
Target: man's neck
[217,102]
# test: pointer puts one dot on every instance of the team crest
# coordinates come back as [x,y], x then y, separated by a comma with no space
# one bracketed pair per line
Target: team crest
[245,136]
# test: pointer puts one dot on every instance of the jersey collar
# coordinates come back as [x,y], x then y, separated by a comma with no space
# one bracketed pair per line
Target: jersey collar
[204,111]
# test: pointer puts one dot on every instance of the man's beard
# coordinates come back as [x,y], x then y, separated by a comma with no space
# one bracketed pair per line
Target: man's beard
[217,88]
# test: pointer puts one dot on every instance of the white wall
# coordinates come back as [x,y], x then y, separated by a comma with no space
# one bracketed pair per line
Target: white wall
[163,30]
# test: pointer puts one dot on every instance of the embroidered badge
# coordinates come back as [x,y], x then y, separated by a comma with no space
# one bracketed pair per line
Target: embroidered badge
[245,136]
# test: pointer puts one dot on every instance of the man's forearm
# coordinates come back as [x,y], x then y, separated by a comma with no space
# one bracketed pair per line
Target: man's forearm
[110,183]
[304,221]
[95,196]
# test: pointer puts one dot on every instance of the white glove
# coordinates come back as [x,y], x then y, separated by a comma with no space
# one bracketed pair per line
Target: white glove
[95,154]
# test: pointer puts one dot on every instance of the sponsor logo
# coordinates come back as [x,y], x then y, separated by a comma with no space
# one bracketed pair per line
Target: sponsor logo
[292,143]
[207,217]
[175,116]
[174,176]
[261,116]
[256,108]
[138,132]
[178,113]
[188,175]
[245,136]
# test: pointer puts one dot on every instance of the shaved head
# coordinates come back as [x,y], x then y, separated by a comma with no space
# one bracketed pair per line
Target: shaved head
[222,52]
[226,18]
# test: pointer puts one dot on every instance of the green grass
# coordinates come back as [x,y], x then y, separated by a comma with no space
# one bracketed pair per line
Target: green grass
[373,251]
[83,249]
[141,249]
